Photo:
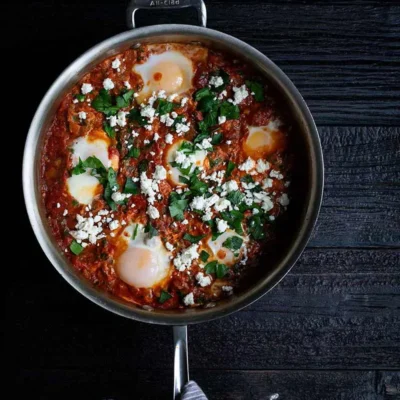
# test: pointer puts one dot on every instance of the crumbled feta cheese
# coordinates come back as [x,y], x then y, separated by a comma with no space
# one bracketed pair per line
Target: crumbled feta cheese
[135,134]
[248,165]
[221,120]
[202,280]
[86,88]
[146,141]
[227,288]
[113,225]
[188,300]
[148,112]
[262,166]
[113,121]
[205,144]
[75,101]
[186,257]
[267,183]
[172,97]
[127,84]
[148,187]
[230,186]
[65,213]
[185,222]
[207,216]
[182,128]
[156,137]
[169,246]
[284,200]
[153,212]
[222,94]
[274,125]
[256,211]
[222,225]
[275,174]
[108,84]
[222,204]
[169,138]
[241,93]
[160,173]
[116,64]
[118,196]
[229,142]
[167,120]
[198,203]
[121,118]
[184,101]
[82,115]
[216,81]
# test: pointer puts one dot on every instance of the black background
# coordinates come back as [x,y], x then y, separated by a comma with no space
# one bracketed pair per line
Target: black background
[331,329]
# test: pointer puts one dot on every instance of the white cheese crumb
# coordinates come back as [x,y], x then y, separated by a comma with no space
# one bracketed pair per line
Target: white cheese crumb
[186,257]
[221,120]
[75,101]
[222,225]
[169,246]
[65,213]
[82,115]
[227,288]
[116,64]
[216,81]
[156,137]
[284,200]
[160,173]
[113,225]
[184,101]
[275,174]
[222,204]
[153,212]
[241,93]
[169,138]
[267,183]
[127,84]
[230,186]
[108,84]
[118,196]
[188,299]
[248,165]
[121,118]
[86,88]
[229,142]
[113,121]
[262,166]
[202,280]
[222,94]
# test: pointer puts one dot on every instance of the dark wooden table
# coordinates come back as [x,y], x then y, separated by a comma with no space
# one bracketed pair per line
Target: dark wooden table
[331,329]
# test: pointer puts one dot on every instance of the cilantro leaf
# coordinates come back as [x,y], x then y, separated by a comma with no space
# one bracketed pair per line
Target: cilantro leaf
[210,267]
[193,239]
[256,88]
[225,77]
[109,130]
[213,267]
[134,152]
[177,205]
[204,92]
[79,168]
[234,219]
[164,296]
[256,227]
[229,168]
[151,230]
[124,99]
[165,107]
[229,110]
[204,256]
[135,232]
[131,187]
[143,165]
[235,197]
[76,248]
[134,115]
[233,243]
[217,138]
[103,102]
[207,104]
[80,97]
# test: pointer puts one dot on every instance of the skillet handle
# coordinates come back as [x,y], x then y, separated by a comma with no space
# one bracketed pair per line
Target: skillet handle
[136,5]
[181,363]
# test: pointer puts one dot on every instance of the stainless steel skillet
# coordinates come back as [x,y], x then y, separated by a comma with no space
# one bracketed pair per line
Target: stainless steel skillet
[309,177]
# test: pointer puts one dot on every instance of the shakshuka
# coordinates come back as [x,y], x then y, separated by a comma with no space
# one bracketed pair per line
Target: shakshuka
[165,172]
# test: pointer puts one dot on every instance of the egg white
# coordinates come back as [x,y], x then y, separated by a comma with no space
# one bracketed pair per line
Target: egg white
[145,262]
[83,188]
[221,253]
[172,67]
[263,140]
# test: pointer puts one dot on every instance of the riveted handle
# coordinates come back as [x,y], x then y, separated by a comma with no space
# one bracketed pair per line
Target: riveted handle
[136,5]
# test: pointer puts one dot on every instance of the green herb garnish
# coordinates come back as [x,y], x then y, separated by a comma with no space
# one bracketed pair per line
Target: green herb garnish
[131,187]
[135,232]
[229,168]
[135,116]
[134,152]
[150,230]
[177,205]
[233,243]
[256,227]
[164,296]
[213,267]
[109,130]
[204,256]
[257,89]
[103,102]
[229,110]
[193,239]
[76,248]
[165,107]
[124,99]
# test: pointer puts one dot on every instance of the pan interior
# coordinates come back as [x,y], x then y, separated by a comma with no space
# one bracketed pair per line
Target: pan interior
[292,233]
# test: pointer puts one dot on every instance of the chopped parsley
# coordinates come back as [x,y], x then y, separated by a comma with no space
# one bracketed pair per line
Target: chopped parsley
[104,103]
[124,99]
[193,239]
[229,110]
[229,168]
[257,89]
[76,248]
[233,243]
[80,97]
[165,107]
[204,256]
[135,116]
[214,267]
[135,232]
[134,152]
[150,230]
[234,219]
[164,296]
[131,187]
[256,227]
[177,205]
[109,130]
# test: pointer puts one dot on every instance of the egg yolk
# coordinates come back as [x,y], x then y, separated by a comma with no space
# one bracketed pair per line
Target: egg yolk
[167,76]
[261,142]
[139,267]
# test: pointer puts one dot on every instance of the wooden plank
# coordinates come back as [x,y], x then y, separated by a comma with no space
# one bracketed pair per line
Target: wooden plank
[343,56]
[218,385]
[361,204]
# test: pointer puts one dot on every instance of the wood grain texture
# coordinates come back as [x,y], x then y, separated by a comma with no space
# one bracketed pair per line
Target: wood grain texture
[343,56]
